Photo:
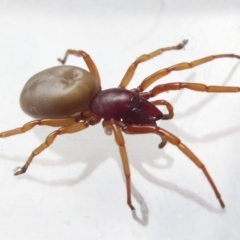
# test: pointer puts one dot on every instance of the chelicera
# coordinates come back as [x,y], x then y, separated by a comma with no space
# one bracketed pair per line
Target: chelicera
[71,99]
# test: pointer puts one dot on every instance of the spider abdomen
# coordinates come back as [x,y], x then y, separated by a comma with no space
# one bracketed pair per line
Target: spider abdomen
[118,103]
[58,92]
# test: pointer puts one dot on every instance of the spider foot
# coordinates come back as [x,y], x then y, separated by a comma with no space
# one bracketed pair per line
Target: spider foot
[62,61]
[182,44]
[163,143]
[19,170]
[132,207]
[129,202]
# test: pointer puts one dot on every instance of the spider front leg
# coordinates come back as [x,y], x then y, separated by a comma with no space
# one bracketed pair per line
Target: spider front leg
[135,129]
[145,57]
[191,86]
[169,107]
[109,126]
[179,67]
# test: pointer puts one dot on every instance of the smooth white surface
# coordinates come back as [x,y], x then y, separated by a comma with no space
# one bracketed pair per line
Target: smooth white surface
[75,189]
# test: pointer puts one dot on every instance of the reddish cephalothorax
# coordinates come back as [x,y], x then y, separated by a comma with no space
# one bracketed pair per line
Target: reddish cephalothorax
[124,105]
[71,98]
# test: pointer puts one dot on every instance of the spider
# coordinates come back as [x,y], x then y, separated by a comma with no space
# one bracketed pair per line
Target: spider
[71,98]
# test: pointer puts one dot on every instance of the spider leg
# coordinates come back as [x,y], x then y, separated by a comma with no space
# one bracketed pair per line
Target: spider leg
[87,59]
[109,126]
[179,67]
[75,127]
[169,107]
[191,86]
[135,129]
[145,57]
[58,122]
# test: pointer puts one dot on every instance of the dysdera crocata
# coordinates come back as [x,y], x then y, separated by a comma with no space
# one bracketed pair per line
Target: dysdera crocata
[71,98]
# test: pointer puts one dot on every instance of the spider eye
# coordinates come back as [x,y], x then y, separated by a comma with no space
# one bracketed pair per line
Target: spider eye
[134,99]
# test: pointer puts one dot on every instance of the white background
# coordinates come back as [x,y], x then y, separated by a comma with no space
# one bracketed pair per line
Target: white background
[76,189]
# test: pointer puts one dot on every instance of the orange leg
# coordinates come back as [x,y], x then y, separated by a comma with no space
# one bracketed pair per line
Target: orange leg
[58,122]
[110,126]
[179,67]
[191,86]
[169,107]
[134,129]
[76,127]
[88,60]
[145,57]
